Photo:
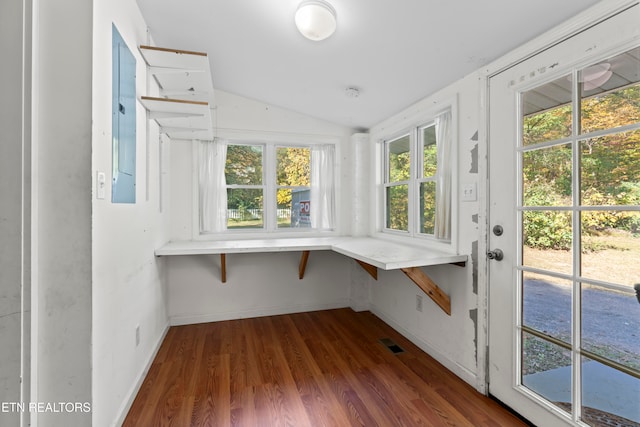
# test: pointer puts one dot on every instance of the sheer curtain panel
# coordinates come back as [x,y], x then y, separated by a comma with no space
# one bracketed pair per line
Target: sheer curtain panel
[323,210]
[442,226]
[213,194]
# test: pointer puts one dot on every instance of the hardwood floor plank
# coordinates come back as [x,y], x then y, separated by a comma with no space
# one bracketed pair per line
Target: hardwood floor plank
[323,368]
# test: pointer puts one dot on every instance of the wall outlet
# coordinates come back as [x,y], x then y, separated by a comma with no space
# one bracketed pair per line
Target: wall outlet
[101,183]
[419,302]
[137,335]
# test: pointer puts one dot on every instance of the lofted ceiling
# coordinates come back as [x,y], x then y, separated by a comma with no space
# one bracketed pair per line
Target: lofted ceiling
[395,52]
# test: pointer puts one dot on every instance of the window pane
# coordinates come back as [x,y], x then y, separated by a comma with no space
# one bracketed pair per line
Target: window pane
[611,246]
[546,305]
[546,175]
[610,172]
[546,369]
[399,159]
[611,93]
[244,165]
[609,397]
[427,207]
[244,208]
[610,324]
[294,206]
[429,152]
[398,207]
[293,166]
[547,112]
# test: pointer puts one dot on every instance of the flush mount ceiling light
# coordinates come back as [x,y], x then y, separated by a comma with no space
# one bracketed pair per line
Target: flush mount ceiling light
[316,19]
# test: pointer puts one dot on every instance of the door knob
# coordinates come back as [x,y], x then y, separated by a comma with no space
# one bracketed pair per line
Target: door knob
[496,254]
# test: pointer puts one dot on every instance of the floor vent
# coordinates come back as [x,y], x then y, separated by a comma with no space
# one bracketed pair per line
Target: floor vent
[392,346]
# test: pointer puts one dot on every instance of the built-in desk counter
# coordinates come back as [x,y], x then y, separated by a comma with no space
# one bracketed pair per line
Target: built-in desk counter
[371,253]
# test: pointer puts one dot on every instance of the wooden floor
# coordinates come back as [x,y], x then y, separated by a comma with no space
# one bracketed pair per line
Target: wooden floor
[323,368]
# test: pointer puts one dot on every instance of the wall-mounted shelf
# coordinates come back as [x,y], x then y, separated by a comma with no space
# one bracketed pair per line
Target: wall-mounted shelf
[370,253]
[183,107]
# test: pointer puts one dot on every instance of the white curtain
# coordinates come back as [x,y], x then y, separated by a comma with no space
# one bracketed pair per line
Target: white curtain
[212,156]
[323,210]
[443,184]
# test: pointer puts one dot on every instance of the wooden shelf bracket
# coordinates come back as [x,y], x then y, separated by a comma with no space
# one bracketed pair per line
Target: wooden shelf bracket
[303,264]
[223,268]
[371,269]
[425,283]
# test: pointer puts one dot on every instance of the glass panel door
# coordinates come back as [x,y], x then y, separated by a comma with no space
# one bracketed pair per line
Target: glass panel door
[579,214]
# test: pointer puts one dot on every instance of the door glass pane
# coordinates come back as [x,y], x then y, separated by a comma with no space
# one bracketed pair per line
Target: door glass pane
[610,169]
[427,207]
[611,246]
[611,93]
[611,324]
[546,175]
[546,305]
[244,208]
[546,369]
[609,397]
[547,238]
[399,159]
[398,207]
[547,112]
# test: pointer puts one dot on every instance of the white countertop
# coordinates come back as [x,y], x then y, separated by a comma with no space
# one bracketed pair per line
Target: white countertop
[384,254]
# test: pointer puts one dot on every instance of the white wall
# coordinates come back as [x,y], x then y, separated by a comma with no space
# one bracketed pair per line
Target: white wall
[128,285]
[450,339]
[257,284]
[14,222]
[61,227]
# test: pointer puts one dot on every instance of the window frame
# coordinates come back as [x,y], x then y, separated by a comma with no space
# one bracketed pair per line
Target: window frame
[270,142]
[412,125]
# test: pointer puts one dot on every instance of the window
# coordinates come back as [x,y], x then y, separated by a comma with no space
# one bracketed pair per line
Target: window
[266,187]
[417,180]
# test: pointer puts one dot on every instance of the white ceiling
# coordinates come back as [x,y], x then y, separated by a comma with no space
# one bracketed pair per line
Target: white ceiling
[395,52]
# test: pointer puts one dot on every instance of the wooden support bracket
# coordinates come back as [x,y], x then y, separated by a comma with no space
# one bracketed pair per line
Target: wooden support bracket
[303,264]
[425,283]
[223,268]
[371,269]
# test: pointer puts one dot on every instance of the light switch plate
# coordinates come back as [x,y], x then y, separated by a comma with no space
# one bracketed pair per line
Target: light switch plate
[469,193]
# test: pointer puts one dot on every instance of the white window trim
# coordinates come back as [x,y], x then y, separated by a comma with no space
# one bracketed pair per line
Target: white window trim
[408,125]
[275,139]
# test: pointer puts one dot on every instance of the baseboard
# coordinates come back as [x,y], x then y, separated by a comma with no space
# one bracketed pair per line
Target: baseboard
[359,307]
[258,312]
[465,374]
[122,414]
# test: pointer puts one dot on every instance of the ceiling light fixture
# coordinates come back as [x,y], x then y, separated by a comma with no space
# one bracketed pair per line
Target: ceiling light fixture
[316,19]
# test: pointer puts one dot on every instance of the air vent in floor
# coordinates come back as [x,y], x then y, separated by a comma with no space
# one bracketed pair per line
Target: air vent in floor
[392,346]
